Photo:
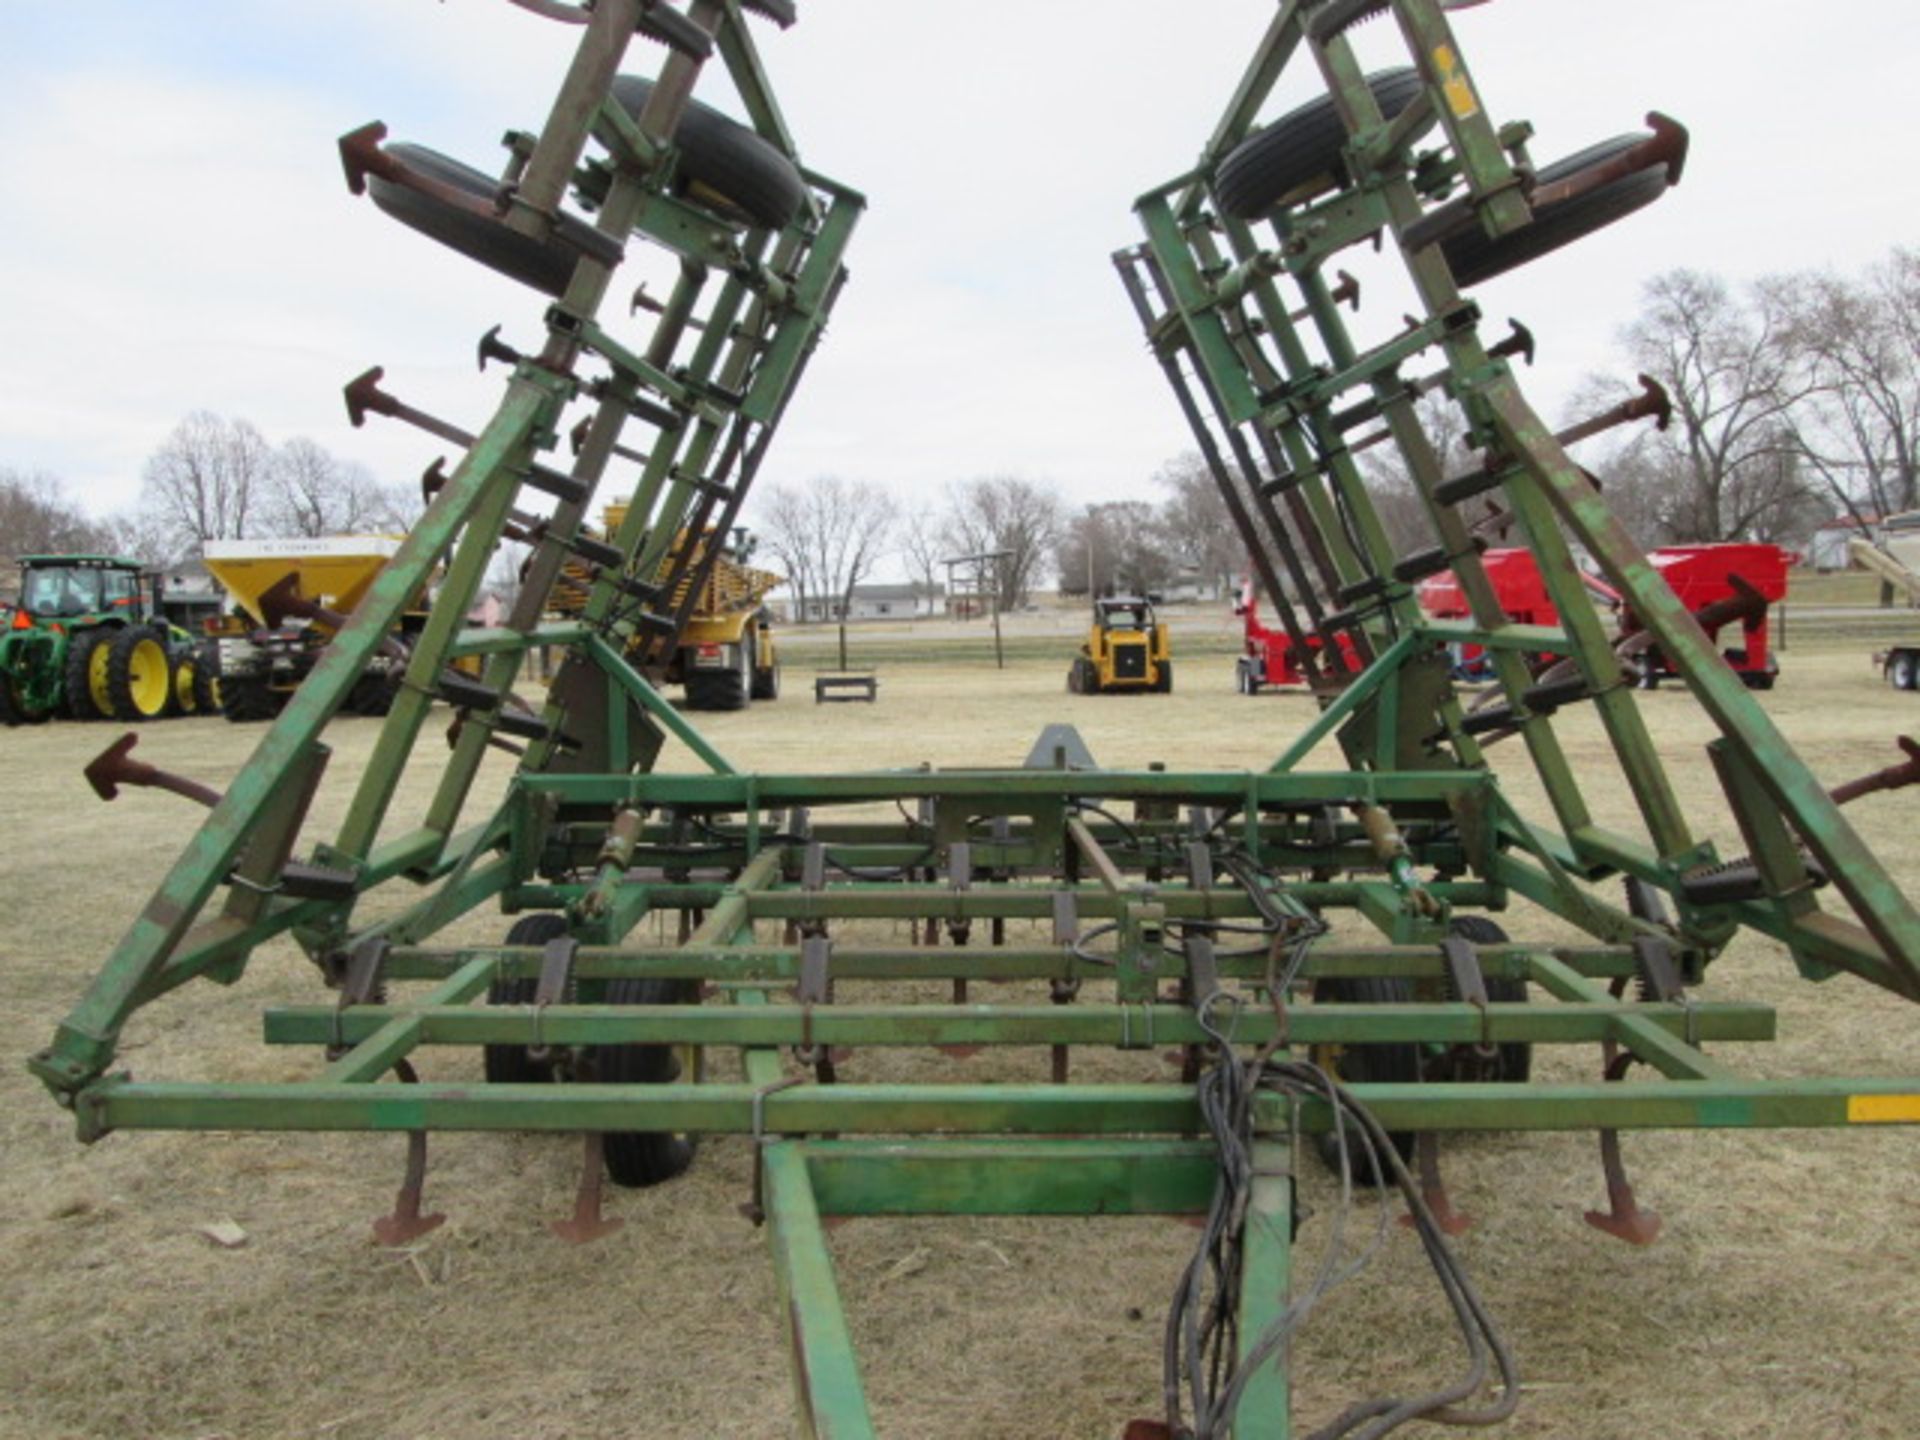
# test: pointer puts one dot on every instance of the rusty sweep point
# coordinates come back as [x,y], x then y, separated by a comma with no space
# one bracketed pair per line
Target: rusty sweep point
[1894,777]
[363,393]
[115,766]
[361,155]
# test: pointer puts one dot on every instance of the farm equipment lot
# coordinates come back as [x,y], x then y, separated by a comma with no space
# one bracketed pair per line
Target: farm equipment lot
[1769,1307]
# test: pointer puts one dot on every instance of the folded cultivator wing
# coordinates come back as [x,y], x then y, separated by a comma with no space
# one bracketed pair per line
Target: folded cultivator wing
[1124,910]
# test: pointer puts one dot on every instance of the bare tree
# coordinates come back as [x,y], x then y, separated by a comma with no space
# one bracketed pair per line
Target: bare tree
[36,518]
[829,536]
[310,492]
[205,481]
[924,543]
[1729,455]
[1005,513]
[1117,548]
[1196,523]
[1858,344]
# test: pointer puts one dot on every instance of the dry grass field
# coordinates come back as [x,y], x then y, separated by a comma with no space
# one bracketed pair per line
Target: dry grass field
[1779,1302]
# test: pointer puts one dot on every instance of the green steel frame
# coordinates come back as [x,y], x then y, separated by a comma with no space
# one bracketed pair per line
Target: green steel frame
[1103,892]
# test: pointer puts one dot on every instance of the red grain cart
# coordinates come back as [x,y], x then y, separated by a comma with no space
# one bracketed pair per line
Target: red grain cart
[1516,584]
[1269,657]
[1729,587]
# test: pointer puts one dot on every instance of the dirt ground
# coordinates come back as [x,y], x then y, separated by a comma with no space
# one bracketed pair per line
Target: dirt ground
[1779,1301]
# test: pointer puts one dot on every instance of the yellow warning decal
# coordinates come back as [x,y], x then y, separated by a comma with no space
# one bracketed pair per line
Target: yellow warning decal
[1454,84]
[1883,1109]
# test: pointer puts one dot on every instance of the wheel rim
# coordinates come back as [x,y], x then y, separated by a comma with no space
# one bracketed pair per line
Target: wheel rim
[98,687]
[148,680]
[183,693]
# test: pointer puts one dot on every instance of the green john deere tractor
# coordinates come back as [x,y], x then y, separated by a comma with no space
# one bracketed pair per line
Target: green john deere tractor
[85,640]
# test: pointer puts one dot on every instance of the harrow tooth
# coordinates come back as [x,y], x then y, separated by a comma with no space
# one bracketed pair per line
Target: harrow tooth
[587,1224]
[406,1223]
[1624,1219]
[1433,1188]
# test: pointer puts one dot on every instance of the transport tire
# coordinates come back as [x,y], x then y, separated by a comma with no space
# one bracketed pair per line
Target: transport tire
[1300,155]
[724,164]
[638,1158]
[1367,1064]
[510,1064]
[1515,1062]
[1903,670]
[1474,256]
[546,265]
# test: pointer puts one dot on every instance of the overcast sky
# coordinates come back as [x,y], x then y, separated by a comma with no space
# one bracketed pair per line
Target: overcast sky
[178,235]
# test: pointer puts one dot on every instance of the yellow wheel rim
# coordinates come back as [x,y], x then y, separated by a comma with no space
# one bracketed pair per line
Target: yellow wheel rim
[183,677]
[97,678]
[148,679]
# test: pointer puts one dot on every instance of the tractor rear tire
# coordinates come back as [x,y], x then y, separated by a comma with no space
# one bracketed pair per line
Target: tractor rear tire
[1368,1064]
[1515,1057]
[546,265]
[1300,154]
[723,164]
[186,682]
[511,1064]
[206,677]
[247,698]
[1474,256]
[87,652]
[139,675]
[638,1158]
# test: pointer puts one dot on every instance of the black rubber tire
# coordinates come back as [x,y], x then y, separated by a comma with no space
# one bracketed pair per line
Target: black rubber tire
[1474,257]
[723,164]
[546,265]
[765,683]
[186,682]
[1903,670]
[246,699]
[14,710]
[718,689]
[1299,155]
[373,694]
[1364,1064]
[1164,685]
[638,1158]
[1515,1057]
[510,1064]
[80,648]
[206,677]
[135,650]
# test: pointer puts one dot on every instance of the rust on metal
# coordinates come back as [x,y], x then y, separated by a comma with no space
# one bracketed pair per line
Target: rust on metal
[115,766]
[1893,777]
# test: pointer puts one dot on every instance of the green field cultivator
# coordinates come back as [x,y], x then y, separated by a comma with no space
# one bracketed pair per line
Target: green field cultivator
[1121,910]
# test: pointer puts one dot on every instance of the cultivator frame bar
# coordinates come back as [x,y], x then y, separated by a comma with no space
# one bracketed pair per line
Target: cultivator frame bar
[1112,897]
